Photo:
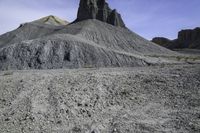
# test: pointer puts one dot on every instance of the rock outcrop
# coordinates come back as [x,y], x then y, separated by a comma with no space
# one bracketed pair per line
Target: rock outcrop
[186,39]
[99,9]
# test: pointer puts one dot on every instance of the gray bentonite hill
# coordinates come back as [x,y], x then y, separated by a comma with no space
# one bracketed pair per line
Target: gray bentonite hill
[119,82]
[98,38]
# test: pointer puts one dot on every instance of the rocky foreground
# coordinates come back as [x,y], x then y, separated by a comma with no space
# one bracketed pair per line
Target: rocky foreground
[159,99]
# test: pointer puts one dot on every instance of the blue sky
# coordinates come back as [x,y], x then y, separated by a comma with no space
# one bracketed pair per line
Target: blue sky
[148,18]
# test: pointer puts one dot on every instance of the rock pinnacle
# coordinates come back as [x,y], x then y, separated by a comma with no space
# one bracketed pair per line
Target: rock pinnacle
[100,10]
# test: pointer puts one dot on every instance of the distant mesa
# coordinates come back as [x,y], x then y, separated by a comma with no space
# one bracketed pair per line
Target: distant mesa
[100,10]
[189,38]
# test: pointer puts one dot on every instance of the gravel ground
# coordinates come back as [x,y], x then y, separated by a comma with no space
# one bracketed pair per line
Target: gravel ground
[159,99]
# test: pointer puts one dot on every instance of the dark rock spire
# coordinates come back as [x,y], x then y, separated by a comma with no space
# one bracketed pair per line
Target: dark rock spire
[99,9]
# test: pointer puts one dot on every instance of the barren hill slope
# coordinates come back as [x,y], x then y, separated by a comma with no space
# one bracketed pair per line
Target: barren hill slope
[89,43]
[113,37]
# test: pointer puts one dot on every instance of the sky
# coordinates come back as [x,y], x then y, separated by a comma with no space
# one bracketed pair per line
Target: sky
[148,18]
